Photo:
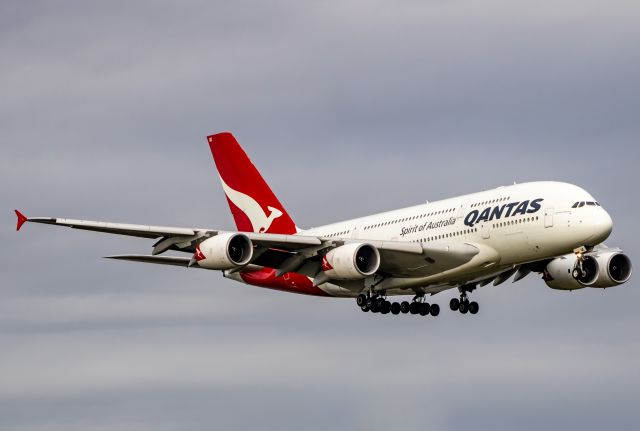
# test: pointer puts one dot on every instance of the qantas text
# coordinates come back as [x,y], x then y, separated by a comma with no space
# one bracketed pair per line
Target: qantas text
[500,211]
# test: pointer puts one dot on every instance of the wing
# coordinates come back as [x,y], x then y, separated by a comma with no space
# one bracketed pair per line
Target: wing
[171,238]
[285,253]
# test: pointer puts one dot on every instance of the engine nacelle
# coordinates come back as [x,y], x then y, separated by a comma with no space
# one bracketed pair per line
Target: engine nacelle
[351,261]
[224,251]
[615,269]
[558,273]
[600,269]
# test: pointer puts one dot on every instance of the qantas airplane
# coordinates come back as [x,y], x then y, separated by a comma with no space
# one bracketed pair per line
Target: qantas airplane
[552,228]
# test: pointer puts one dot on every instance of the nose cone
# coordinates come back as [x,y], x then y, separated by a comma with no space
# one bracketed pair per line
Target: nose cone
[601,226]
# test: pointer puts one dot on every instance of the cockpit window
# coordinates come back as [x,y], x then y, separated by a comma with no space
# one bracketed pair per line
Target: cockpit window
[581,204]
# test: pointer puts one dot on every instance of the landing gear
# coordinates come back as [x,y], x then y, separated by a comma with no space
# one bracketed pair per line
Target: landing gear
[463,305]
[404,307]
[454,304]
[386,307]
[378,304]
[395,308]
[361,300]
[582,269]
[435,310]
[414,307]
[474,307]
[425,308]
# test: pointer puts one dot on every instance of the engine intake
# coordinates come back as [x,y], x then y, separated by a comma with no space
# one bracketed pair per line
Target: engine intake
[224,251]
[615,267]
[351,261]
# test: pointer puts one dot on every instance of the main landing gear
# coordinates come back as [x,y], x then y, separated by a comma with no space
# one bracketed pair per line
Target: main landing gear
[378,304]
[463,305]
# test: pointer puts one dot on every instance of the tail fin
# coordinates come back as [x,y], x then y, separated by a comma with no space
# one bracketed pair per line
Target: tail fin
[254,206]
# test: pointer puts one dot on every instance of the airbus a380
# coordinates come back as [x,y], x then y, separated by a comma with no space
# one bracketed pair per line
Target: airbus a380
[552,228]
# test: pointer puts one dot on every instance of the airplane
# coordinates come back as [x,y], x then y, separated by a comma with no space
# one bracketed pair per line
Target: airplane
[551,228]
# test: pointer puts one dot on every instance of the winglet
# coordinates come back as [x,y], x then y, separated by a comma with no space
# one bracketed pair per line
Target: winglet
[21,219]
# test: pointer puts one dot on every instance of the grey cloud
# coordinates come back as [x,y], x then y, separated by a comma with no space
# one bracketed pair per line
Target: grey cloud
[347,108]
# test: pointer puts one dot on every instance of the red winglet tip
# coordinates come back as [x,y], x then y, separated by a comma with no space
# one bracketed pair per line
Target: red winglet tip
[21,219]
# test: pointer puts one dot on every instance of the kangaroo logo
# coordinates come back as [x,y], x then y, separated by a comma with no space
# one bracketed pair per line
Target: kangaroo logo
[252,209]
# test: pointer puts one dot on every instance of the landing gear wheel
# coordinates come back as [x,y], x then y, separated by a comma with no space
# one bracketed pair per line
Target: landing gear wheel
[464,307]
[380,302]
[414,308]
[474,307]
[395,308]
[361,300]
[454,304]
[404,307]
[425,308]
[386,307]
[364,307]
[576,273]
[370,303]
[435,310]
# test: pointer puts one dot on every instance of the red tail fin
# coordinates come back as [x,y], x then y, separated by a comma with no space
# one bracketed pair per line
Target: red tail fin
[254,206]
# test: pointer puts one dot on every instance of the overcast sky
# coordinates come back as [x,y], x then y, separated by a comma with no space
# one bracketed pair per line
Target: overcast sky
[348,108]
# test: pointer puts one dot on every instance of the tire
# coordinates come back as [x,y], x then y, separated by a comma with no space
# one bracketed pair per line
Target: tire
[576,273]
[435,310]
[464,307]
[361,300]
[386,307]
[370,302]
[374,306]
[364,308]
[474,307]
[425,308]
[380,301]
[395,308]
[414,308]
[454,304]
[404,307]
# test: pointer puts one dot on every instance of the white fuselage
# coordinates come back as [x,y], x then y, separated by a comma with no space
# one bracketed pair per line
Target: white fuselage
[511,225]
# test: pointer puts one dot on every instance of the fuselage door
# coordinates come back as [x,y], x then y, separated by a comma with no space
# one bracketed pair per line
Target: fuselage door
[461,210]
[485,230]
[548,217]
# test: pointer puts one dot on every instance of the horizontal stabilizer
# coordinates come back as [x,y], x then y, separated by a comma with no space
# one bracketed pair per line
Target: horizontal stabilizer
[162,260]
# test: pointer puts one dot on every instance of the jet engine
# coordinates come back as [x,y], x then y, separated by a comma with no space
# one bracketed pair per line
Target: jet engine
[560,272]
[615,269]
[351,261]
[606,269]
[224,251]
